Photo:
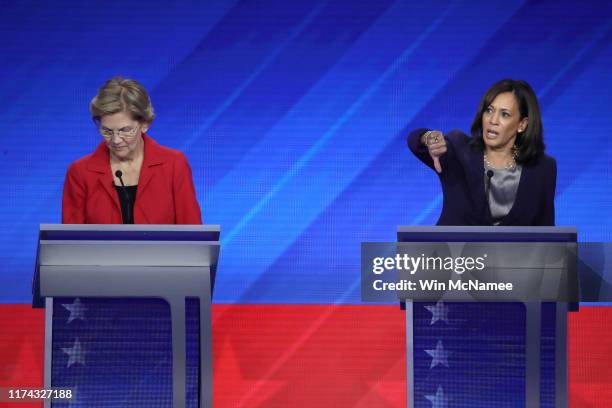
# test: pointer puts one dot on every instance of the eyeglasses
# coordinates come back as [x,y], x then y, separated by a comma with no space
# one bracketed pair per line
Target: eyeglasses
[125,133]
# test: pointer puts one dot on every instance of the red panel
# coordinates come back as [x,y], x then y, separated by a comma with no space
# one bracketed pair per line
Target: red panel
[309,356]
[314,355]
[21,348]
[590,357]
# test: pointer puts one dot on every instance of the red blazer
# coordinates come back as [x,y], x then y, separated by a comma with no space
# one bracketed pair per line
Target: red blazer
[165,194]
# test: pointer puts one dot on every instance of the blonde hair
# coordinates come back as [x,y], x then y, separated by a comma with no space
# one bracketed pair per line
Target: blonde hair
[122,95]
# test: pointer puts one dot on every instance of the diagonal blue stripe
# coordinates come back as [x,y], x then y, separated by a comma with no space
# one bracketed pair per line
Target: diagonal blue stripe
[240,89]
[306,157]
[577,58]
[427,209]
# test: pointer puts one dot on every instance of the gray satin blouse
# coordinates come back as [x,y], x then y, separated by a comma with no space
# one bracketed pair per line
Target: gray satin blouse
[502,192]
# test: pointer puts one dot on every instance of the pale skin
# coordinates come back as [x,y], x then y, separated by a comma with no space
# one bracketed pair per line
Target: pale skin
[501,122]
[126,153]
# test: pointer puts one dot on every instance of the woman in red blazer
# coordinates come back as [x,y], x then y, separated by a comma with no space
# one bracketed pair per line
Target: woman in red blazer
[129,178]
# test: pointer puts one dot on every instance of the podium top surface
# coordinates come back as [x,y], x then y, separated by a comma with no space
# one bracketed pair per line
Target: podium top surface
[141,232]
[89,259]
[486,233]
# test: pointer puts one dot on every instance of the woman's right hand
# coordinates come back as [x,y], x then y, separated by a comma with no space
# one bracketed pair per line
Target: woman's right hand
[436,145]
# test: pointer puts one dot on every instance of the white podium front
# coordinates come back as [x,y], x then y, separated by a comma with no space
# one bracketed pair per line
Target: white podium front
[169,262]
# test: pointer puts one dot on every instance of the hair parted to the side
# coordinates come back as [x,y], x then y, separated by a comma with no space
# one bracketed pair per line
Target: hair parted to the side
[530,142]
[119,94]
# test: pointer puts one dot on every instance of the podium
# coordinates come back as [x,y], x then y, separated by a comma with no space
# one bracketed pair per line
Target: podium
[170,265]
[513,354]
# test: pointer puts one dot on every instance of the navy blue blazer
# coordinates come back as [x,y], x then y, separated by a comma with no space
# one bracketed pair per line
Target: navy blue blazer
[463,185]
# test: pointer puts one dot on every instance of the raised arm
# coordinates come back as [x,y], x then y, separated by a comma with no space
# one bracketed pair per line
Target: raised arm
[428,145]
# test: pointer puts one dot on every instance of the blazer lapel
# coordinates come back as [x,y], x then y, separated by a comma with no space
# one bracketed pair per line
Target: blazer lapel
[522,196]
[476,178]
[100,163]
[152,158]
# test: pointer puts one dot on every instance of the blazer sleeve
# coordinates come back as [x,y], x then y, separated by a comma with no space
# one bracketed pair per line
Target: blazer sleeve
[417,148]
[185,201]
[547,217]
[454,140]
[73,197]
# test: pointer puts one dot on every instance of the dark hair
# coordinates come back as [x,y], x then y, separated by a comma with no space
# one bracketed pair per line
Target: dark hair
[530,142]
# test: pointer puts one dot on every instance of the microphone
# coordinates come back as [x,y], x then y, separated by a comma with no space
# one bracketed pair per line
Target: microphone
[489,177]
[119,173]
[128,220]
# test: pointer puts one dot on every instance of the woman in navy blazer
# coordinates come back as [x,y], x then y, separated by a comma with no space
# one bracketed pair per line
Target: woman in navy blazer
[129,178]
[507,136]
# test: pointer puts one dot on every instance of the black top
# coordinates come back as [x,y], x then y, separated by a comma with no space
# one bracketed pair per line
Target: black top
[127,198]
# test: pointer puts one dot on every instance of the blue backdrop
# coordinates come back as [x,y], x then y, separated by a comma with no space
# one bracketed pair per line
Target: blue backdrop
[293,116]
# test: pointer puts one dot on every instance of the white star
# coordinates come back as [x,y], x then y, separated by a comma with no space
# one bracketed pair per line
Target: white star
[76,354]
[438,355]
[438,400]
[438,312]
[76,309]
